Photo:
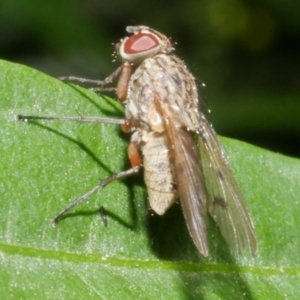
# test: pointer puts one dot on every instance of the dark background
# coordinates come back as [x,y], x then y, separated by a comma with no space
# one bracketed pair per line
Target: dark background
[245,51]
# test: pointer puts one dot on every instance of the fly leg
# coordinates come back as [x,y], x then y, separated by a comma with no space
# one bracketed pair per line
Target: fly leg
[109,79]
[123,72]
[136,162]
[122,122]
[100,185]
[134,156]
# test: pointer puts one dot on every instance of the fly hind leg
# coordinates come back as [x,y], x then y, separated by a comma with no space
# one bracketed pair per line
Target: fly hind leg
[99,186]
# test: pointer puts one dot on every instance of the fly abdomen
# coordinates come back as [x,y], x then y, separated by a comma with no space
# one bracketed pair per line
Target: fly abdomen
[159,173]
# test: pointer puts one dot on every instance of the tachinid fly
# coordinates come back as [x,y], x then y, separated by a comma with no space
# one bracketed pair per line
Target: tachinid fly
[180,152]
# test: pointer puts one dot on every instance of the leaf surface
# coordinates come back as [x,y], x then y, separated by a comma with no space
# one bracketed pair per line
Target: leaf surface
[47,165]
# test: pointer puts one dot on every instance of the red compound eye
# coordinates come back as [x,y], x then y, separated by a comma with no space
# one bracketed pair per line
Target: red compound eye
[140,42]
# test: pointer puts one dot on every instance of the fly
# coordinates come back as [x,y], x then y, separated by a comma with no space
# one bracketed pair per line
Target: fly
[171,138]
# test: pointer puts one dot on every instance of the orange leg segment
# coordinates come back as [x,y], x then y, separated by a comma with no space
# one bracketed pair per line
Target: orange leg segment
[134,156]
[123,82]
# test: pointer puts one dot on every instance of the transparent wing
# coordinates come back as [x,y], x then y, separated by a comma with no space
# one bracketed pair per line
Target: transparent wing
[191,188]
[190,181]
[226,203]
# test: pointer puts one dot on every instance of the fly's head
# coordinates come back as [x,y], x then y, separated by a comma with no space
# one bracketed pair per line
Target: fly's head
[143,43]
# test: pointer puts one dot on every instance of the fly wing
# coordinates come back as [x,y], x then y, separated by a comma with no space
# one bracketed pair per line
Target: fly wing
[191,188]
[226,203]
[190,180]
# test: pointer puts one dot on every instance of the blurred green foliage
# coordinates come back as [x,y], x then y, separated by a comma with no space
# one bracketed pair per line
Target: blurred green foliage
[246,52]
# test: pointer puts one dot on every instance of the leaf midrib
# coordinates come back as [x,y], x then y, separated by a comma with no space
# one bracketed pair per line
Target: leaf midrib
[145,264]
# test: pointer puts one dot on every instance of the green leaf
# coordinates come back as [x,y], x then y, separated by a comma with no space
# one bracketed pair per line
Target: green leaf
[46,165]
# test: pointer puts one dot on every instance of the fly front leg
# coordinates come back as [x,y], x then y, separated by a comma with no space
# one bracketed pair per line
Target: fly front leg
[124,74]
[123,82]
[104,82]
[122,85]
